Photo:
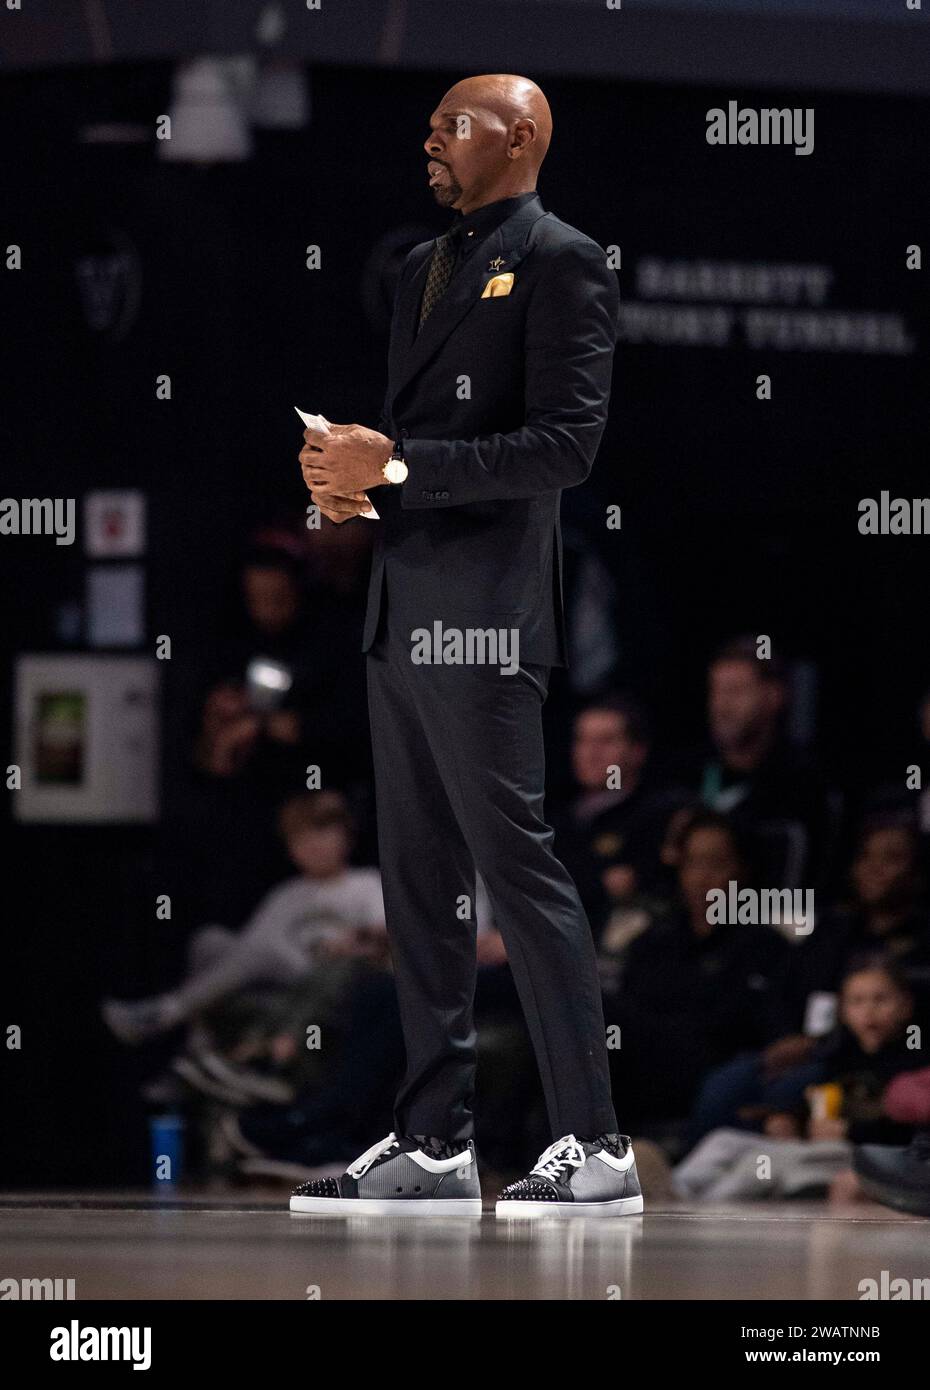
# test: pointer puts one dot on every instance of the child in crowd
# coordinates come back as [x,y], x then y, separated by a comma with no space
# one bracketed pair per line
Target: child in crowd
[328,910]
[800,1152]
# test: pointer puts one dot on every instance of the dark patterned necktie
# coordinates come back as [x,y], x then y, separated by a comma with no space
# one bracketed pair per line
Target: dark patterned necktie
[439,274]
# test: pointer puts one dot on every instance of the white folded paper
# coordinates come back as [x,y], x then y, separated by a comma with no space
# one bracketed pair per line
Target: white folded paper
[320,422]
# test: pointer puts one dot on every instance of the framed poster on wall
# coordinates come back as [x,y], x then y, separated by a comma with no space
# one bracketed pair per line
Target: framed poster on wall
[86,739]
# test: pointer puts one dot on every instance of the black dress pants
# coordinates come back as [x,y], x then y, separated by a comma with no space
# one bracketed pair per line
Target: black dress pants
[460,773]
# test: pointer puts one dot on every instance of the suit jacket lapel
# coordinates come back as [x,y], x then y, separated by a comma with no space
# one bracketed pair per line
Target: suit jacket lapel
[506,246]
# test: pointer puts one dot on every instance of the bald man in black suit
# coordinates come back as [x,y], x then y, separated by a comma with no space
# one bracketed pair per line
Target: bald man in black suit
[501,353]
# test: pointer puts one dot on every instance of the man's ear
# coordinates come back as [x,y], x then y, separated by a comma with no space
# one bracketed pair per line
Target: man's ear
[524,134]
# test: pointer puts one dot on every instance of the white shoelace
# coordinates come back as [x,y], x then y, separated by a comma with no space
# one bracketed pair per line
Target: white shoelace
[567,1150]
[365,1160]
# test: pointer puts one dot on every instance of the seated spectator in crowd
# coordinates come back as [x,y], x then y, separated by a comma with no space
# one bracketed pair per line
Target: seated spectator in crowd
[752,774]
[904,797]
[282,688]
[250,741]
[886,910]
[609,836]
[886,913]
[819,1113]
[694,992]
[328,910]
[252,704]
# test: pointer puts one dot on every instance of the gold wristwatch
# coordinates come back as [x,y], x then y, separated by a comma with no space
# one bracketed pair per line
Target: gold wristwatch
[395,470]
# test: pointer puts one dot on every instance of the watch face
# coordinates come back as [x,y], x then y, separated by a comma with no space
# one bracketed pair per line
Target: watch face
[395,470]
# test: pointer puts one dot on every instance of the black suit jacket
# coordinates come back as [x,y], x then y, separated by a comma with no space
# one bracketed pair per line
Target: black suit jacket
[501,403]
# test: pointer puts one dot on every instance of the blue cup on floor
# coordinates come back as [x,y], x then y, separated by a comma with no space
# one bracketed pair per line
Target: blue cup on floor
[166,1133]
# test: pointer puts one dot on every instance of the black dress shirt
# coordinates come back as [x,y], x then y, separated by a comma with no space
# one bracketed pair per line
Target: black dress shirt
[475,227]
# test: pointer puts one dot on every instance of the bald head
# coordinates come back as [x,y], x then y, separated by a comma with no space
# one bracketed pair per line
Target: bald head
[488,137]
[512,101]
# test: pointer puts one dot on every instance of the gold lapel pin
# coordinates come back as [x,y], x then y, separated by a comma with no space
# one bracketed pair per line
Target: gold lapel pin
[496,264]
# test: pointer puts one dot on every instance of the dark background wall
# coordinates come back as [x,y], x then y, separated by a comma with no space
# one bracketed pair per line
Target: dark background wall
[737,514]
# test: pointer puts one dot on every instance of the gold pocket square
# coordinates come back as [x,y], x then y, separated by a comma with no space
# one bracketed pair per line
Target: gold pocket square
[500,284]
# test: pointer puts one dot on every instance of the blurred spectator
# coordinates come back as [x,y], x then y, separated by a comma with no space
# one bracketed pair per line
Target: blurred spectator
[753,774]
[252,706]
[283,690]
[608,837]
[694,993]
[328,911]
[886,910]
[886,916]
[899,795]
[821,1111]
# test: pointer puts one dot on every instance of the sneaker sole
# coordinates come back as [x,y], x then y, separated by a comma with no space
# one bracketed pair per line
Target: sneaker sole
[387,1206]
[620,1206]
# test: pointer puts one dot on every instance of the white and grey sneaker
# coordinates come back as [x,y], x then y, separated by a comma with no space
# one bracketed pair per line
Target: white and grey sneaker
[576,1177]
[399,1176]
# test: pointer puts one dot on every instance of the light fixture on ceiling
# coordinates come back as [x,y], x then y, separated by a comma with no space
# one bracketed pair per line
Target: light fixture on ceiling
[210,111]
